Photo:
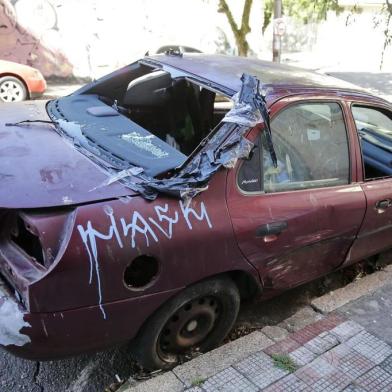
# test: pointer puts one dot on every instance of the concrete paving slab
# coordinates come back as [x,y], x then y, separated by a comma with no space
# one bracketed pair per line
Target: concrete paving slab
[260,368]
[302,356]
[275,333]
[354,388]
[375,380]
[387,364]
[167,382]
[336,381]
[338,298]
[322,343]
[311,331]
[315,371]
[370,347]
[290,383]
[346,330]
[299,320]
[350,362]
[284,347]
[229,380]
[221,358]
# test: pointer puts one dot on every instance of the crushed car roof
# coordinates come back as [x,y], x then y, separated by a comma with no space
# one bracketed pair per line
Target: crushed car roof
[227,70]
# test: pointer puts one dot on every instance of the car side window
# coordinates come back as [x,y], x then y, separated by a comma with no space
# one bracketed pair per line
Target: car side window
[310,141]
[374,126]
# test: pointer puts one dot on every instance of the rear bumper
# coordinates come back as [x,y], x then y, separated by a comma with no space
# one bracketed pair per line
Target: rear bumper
[47,336]
[36,95]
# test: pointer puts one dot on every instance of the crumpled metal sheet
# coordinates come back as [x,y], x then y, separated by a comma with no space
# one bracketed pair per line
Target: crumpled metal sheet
[225,147]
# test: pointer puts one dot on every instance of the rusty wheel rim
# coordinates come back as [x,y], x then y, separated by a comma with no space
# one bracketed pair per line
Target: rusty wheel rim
[188,328]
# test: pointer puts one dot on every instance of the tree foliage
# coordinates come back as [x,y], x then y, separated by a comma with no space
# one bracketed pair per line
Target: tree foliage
[387,28]
[304,10]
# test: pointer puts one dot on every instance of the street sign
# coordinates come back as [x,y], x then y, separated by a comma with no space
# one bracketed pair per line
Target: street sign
[279,27]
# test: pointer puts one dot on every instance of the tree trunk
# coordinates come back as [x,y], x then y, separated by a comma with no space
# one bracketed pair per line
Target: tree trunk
[239,33]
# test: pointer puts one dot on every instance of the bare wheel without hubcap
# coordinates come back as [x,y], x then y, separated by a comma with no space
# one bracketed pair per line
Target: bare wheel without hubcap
[12,90]
[196,319]
[188,327]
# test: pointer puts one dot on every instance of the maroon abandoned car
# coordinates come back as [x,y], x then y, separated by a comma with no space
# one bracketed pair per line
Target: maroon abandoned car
[144,206]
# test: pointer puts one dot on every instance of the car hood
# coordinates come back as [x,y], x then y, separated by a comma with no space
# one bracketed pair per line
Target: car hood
[40,168]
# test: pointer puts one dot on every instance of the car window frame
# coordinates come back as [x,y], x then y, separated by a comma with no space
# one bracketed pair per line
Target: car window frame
[369,105]
[298,101]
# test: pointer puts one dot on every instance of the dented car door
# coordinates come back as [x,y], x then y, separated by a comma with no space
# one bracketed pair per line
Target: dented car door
[297,221]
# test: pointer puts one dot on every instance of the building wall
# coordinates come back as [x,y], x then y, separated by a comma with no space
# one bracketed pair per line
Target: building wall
[88,38]
[92,37]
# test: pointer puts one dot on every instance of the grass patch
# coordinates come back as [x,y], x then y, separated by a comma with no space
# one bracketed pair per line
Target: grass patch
[284,362]
[197,382]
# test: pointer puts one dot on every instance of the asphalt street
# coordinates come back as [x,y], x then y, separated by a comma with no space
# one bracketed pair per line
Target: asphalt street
[377,83]
[87,373]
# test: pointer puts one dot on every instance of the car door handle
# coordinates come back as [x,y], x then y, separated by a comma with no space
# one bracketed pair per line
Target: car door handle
[271,229]
[383,204]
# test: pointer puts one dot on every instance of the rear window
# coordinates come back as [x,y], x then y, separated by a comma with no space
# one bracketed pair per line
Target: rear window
[141,116]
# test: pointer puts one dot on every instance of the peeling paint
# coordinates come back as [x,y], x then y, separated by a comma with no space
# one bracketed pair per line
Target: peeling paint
[67,200]
[12,323]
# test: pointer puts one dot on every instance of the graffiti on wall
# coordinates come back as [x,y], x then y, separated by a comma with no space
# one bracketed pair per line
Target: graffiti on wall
[25,46]
[93,37]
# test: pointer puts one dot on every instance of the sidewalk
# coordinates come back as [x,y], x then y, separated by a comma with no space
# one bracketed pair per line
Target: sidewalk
[346,350]
[378,83]
[60,90]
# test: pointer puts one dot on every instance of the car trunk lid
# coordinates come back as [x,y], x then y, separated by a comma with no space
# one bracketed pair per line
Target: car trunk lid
[40,168]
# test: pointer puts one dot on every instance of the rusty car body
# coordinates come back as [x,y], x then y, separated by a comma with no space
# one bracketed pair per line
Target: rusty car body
[97,249]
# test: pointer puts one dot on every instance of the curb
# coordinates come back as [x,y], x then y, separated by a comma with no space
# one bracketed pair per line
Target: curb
[204,366]
[364,286]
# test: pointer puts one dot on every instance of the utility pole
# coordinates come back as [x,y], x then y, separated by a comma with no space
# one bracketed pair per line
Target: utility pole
[276,41]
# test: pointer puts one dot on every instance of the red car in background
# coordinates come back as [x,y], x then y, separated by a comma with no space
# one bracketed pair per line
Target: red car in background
[19,82]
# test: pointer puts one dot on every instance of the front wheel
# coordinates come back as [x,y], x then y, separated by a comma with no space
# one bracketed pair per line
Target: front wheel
[197,319]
